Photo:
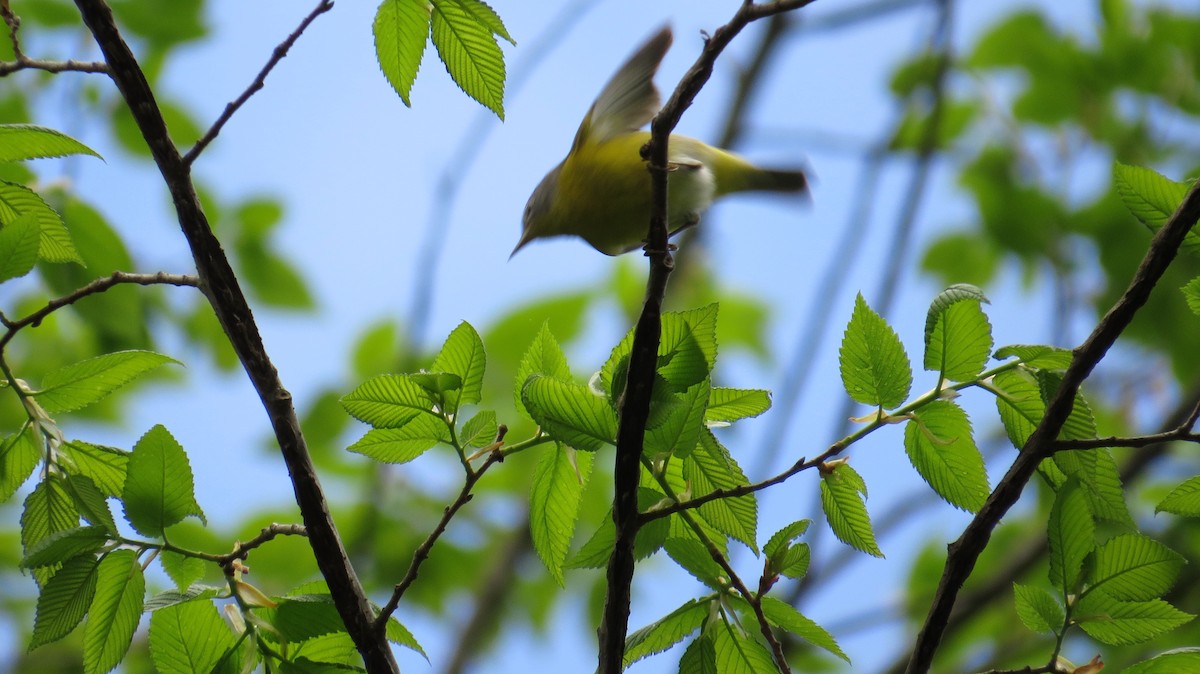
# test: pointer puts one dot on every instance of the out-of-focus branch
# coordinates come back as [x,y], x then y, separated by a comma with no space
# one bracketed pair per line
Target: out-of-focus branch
[277,55]
[965,551]
[224,293]
[635,400]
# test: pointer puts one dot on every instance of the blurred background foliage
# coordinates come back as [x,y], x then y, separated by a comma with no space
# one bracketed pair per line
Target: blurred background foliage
[1023,116]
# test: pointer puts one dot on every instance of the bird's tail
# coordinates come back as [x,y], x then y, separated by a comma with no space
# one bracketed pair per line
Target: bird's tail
[735,174]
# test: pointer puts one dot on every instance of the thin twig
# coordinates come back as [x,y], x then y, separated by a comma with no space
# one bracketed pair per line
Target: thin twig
[422,552]
[97,286]
[242,549]
[276,56]
[225,295]
[965,551]
[635,400]
[23,63]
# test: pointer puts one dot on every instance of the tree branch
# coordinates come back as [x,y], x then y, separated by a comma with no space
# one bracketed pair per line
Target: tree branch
[242,550]
[25,63]
[229,304]
[276,56]
[964,552]
[635,400]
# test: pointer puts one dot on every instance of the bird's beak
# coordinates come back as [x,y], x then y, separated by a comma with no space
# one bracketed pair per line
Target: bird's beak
[526,237]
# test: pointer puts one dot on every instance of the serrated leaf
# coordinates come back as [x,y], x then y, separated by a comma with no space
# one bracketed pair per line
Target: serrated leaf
[1121,623]
[19,456]
[959,342]
[105,466]
[159,488]
[1019,402]
[388,401]
[1036,356]
[688,346]
[1152,198]
[61,546]
[183,570]
[666,631]
[172,597]
[558,482]
[1072,536]
[470,53]
[404,442]
[939,443]
[188,637]
[875,369]
[738,653]
[780,540]
[397,633]
[462,354]
[64,600]
[785,616]
[570,412]
[48,510]
[843,495]
[54,242]
[678,432]
[1171,662]
[594,553]
[1100,478]
[18,244]
[1183,500]
[401,30]
[1037,610]
[487,17]
[90,501]
[544,357]
[694,557]
[19,142]
[699,657]
[1191,295]
[479,430]
[1080,423]
[1133,567]
[88,381]
[710,467]
[299,617]
[115,611]
[732,404]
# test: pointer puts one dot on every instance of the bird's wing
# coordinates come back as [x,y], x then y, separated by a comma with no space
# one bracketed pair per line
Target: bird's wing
[630,99]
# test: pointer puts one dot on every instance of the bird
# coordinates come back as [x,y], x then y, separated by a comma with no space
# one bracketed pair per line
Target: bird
[601,191]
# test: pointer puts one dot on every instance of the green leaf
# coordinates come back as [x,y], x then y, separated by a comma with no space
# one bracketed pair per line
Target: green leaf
[940,445]
[172,597]
[785,616]
[388,401]
[558,482]
[404,442]
[115,611]
[300,617]
[90,501]
[401,31]
[159,490]
[544,357]
[843,495]
[732,404]
[688,347]
[780,540]
[88,381]
[875,369]
[1100,478]
[679,431]
[462,354]
[1072,536]
[183,570]
[64,600]
[1133,567]
[48,510]
[700,657]
[54,244]
[1036,356]
[594,553]
[19,142]
[397,633]
[470,53]
[19,456]
[480,430]
[666,631]
[570,412]
[1152,198]
[1183,500]
[1019,402]
[710,467]
[188,637]
[1171,662]
[738,653]
[1080,423]
[1037,610]
[1191,295]
[958,336]
[61,546]
[1121,623]
[486,16]
[18,244]
[106,466]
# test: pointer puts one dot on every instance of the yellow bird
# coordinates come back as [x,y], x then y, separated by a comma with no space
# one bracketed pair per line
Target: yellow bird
[601,191]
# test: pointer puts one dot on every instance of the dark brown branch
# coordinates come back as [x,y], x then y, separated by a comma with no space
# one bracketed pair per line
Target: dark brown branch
[276,56]
[635,400]
[232,310]
[242,550]
[98,286]
[422,552]
[964,552]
